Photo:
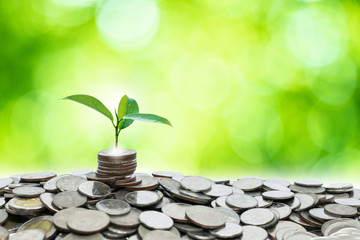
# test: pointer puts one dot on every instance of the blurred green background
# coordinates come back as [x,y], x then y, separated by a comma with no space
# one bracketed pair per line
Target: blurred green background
[265,87]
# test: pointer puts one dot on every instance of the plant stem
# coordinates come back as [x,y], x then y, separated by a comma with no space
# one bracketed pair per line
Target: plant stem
[116,137]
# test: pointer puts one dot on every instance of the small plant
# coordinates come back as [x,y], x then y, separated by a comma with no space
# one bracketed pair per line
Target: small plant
[127,112]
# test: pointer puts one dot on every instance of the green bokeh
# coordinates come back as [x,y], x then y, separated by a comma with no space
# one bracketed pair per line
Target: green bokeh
[266,87]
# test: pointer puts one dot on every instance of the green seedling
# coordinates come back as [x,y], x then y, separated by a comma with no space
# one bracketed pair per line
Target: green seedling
[127,112]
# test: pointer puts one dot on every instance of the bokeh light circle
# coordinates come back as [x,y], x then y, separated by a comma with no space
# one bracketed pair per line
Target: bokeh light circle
[333,84]
[128,24]
[315,37]
[200,79]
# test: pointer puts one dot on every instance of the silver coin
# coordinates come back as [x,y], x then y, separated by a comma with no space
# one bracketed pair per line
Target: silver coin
[278,195]
[44,223]
[28,191]
[50,185]
[161,234]
[270,186]
[113,206]
[47,200]
[196,183]
[37,177]
[4,233]
[248,184]
[33,234]
[306,201]
[142,198]
[283,210]
[166,174]
[88,222]
[61,218]
[257,216]
[26,205]
[218,190]
[230,215]
[340,210]
[205,217]
[230,230]
[121,194]
[130,220]
[279,181]
[194,196]
[164,201]
[339,186]
[94,189]
[69,183]
[319,213]
[308,183]
[284,224]
[69,199]
[142,231]
[176,211]
[263,203]
[72,236]
[253,233]
[185,228]
[156,220]
[302,236]
[354,202]
[4,182]
[3,216]
[301,189]
[169,184]
[241,201]
[147,183]
[117,155]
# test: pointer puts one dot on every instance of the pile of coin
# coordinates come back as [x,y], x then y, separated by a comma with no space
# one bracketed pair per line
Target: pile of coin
[170,206]
[116,166]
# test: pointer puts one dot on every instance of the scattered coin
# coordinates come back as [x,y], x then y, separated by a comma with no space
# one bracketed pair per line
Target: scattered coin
[142,198]
[205,217]
[308,183]
[50,185]
[28,191]
[69,199]
[248,184]
[230,215]
[196,183]
[161,234]
[176,211]
[94,189]
[340,210]
[218,190]
[253,233]
[257,216]
[278,195]
[69,183]
[88,222]
[60,218]
[113,206]
[44,223]
[230,230]
[33,234]
[156,220]
[130,220]
[37,177]
[4,233]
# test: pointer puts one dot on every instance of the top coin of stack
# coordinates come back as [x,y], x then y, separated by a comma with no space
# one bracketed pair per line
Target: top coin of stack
[117,163]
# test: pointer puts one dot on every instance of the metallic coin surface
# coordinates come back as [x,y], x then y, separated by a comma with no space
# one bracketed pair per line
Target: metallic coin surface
[4,233]
[130,220]
[44,223]
[278,195]
[147,183]
[115,155]
[241,201]
[69,183]
[28,191]
[50,185]
[176,211]
[196,183]
[354,202]
[33,234]
[61,218]
[205,217]
[253,233]
[47,199]
[88,222]
[156,220]
[4,182]
[161,234]
[230,215]
[142,198]
[72,236]
[37,177]
[248,184]
[94,189]
[284,224]
[283,210]
[69,199]
[337,186]
[308,183]
[340,210]
[113,206]
[307,200]
[3,216]
[230,230]
[26,204]
[257,216]
[319,214]
[218,190]
[166,174]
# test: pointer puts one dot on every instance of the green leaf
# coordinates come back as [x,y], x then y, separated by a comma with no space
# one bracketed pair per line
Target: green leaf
[123,106]
[132,107]
[147,118]
[91,102]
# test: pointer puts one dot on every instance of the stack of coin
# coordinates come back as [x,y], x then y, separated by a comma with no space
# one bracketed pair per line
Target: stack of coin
[115,164]
[171,206]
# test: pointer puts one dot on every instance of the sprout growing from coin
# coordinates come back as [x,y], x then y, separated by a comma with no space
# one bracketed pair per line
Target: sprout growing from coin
[127,112]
